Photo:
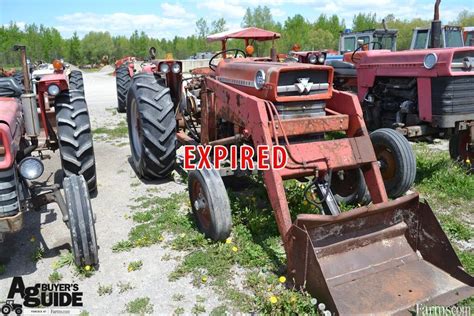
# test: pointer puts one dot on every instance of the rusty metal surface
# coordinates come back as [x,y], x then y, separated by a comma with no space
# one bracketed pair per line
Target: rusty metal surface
[378,259]
[310,125]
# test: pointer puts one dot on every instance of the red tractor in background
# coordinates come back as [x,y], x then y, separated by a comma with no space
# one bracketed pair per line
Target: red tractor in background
[394,252]
[420,93]
[56,117]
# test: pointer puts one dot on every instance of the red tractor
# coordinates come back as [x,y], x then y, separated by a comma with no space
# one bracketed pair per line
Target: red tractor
[420,93]
[394,252]
[30,124]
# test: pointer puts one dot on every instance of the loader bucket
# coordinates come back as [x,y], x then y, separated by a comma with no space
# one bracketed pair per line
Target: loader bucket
[383,259]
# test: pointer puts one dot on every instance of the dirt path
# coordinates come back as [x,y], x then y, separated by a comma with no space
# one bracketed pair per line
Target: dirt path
[117,187]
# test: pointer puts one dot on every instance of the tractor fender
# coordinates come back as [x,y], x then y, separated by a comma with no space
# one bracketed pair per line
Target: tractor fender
[59,79]
[11,130]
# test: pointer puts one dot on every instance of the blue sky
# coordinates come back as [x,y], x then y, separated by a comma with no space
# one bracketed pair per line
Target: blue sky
[170,18]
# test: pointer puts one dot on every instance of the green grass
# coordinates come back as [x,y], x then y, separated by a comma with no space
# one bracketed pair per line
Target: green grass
[124,287]
[104,289]
[135,266]
[255,245]
[37,254]
[442,179]
[119,131]
[140,306]
[55,277]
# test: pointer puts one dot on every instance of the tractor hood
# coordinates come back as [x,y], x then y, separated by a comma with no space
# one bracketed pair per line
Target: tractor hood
[277,82]
[447,61]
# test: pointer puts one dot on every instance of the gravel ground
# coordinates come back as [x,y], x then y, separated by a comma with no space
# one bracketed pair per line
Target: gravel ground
[111,206]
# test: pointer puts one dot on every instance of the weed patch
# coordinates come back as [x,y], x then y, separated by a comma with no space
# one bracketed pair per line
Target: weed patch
[119,131]
[140,306]
[55,277]
[441,178]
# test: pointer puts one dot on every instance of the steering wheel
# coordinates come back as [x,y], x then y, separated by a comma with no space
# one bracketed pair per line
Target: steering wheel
[360,48]
[224,52]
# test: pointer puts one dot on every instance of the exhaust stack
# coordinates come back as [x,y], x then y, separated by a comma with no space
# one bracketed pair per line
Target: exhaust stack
[436,27]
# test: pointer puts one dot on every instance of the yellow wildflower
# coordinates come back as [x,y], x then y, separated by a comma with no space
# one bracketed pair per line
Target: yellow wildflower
[204,279]
[235,249]
[228,240]
[87,268]
[273,299]
[282,279]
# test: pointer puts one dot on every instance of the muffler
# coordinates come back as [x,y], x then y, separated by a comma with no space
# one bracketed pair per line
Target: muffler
[30,111]
[381,259]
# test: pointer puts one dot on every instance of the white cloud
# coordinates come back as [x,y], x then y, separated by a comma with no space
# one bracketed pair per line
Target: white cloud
[278,13]
[173,10]
[225,9]
[125,23]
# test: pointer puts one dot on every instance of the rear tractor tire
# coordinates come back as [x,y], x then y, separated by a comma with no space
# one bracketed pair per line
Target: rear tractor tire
[151,127]
[81,221]
[76,81]
[75,136]
[210,203]
[123,81]
[397,161]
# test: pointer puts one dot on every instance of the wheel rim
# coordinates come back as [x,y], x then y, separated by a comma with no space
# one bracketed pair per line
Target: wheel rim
[464,139]
[136,129]
[386,159]
[348,185]
[201,205]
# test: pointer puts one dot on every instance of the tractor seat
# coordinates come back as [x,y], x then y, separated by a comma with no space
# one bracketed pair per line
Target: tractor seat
[9,87]
[342,68]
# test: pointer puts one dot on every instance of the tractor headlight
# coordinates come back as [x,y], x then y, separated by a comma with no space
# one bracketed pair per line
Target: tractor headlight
[164,67]
[53,89]
[31,168]
[430,61]
[259,79]
[322,58]
[312,59]
[176,68]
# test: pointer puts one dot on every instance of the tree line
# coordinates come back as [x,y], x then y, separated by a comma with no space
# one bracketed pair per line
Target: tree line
[46,43]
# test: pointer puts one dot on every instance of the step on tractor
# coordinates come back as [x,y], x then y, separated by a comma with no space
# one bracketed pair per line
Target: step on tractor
[393,252]
[421,93]
[56,117]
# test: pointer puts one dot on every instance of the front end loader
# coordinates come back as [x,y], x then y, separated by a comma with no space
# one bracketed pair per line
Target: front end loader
[384,257]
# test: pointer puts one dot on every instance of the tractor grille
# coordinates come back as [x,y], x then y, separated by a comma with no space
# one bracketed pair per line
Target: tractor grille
[291,110]
[287,82]
[8,193]
[452,95]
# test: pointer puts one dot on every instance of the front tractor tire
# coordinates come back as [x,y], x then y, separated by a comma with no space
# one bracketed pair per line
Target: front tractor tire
[122,81]
[76,81]
[396,159]
[75,136]
[81,221]
[151,127]
[210,203]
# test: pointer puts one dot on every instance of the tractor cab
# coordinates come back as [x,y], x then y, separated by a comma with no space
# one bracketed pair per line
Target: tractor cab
[468,35]
[370,39]
[451,36]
